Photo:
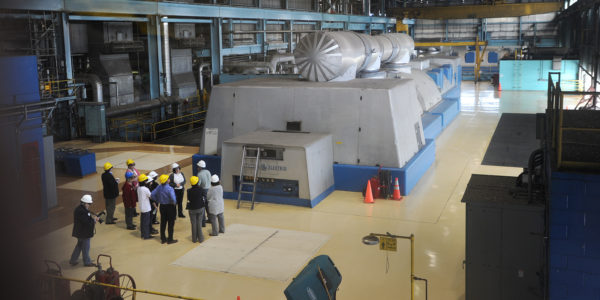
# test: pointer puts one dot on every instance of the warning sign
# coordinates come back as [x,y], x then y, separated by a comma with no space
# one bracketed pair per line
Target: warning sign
[387,244]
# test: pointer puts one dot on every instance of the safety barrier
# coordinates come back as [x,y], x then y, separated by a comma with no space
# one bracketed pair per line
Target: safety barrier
[556,109]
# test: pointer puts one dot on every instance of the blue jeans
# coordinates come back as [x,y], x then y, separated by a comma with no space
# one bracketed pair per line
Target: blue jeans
[83,246]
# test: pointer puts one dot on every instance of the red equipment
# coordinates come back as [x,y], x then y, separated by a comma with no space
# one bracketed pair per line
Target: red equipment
[108,276]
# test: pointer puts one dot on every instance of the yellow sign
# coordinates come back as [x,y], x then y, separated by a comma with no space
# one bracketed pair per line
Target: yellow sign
[387,244]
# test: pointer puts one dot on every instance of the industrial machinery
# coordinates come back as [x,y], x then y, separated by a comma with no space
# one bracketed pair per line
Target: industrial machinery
[293,167]
[361,89]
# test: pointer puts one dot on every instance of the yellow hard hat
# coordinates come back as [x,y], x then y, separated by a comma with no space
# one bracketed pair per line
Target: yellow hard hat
[107,166]
[130,162]
[194,180]
[163,178]
[142,178]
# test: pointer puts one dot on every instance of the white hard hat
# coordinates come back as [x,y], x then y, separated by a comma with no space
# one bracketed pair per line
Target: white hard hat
[152,175]
[175,165]
[214,178]
[201,164]
[86,199]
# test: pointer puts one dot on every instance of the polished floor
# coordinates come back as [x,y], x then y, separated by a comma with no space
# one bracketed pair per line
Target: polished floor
[432,212]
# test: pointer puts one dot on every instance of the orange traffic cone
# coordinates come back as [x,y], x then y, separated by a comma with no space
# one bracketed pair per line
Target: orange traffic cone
[499,86]
[397,195]
[369,193]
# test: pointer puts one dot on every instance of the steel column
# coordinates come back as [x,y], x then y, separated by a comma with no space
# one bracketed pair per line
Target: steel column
[159,54]
[153,57]
[216,44]
[67,42]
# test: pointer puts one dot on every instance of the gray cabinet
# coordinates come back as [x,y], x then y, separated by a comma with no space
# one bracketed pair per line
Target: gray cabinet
[504,241]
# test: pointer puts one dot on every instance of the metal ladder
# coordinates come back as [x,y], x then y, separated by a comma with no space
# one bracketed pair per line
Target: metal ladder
[248,164]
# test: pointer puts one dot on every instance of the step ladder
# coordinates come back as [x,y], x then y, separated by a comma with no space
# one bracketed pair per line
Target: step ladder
[249,164]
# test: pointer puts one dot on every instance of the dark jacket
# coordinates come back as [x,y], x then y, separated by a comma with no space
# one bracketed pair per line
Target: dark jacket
[110,185]
[83,224]
[196,197]
[152,185]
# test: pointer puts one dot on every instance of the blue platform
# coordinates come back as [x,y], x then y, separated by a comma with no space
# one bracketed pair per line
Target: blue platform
[437,76]
[448,110]
[283,200]
[213,163]
[79,163]
[432,125]
[353,178]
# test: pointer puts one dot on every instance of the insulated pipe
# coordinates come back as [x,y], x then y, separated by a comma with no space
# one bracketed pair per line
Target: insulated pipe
[167,59]
[281,58]
[96,83]
[201,77]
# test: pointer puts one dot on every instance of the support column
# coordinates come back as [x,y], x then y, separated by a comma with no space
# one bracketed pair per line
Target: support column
[216,44]
[290,37]
[67,41]
[167,58]
[159,56]
[153,57]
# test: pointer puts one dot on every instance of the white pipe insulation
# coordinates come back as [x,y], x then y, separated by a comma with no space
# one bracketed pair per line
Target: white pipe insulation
[339,55]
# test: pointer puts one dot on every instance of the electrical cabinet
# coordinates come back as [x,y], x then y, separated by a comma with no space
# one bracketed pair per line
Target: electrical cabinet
[504,240]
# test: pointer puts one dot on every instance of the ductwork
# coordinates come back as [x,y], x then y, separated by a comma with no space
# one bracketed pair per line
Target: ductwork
[340,55]
[96,83]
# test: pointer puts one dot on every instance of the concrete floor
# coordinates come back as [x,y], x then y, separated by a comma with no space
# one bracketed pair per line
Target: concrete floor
[432,212]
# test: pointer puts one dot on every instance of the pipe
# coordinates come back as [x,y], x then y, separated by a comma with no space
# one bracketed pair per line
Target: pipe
[281,58]
[96,83]
[201,77]
[141,106]
[167,59]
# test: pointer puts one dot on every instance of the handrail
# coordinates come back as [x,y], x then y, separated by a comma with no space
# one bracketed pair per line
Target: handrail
[175,125]
[556,104]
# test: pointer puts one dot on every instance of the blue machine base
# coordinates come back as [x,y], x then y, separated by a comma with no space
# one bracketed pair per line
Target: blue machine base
[432,125]
[448,109]
[213,163]
[353,178]
[283,200]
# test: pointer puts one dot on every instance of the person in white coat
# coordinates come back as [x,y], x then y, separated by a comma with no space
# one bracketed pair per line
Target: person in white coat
[204,177]
[216,206]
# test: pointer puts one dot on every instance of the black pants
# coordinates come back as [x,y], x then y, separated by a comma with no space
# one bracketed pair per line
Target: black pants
[153,212]
[167,217]
[179,196]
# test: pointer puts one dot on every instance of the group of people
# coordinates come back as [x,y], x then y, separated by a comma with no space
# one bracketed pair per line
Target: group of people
[154,193]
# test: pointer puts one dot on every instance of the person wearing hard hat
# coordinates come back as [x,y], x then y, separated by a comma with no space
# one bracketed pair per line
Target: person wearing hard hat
[165,196]
[216,205]
[83,229]
[152,184]
[195,207]
[110,188]
[131,168]
[177,182]
[130,200]
[143,193]
[204,176]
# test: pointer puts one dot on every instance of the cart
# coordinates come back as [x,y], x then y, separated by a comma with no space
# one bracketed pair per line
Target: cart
[111,276]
